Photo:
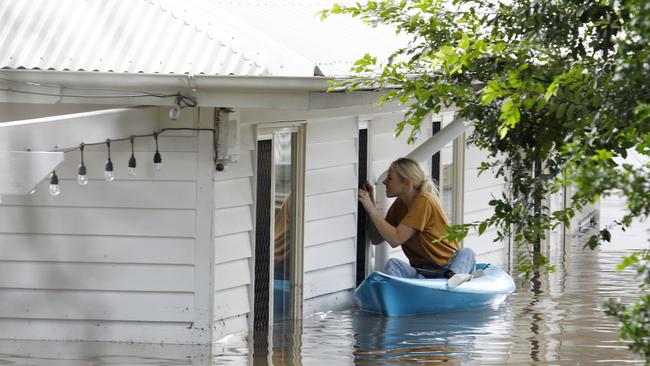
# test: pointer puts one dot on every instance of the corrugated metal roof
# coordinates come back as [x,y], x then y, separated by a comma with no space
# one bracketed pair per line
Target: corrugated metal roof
[135,36]
[182,37]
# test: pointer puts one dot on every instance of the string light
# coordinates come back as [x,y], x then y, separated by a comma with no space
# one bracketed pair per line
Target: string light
[109,174]
[108,169]
[157,159]
[132,159]
[54,184]
[82,177]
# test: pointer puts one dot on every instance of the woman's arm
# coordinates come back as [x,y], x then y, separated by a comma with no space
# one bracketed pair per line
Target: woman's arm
[375,236]
[371,229]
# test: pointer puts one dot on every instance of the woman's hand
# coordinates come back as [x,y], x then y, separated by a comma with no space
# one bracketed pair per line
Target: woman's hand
[366,199]
[367,195]
[366,186]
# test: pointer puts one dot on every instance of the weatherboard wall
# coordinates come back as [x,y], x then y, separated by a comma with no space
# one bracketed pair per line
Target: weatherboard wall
[478,191]
[330,213]
[109,261]
[234,239]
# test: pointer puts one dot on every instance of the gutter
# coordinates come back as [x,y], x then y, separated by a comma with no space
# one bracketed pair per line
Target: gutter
[176,82]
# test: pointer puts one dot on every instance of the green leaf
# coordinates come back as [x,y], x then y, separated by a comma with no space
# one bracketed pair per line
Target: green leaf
[503,131]
[510,113]
[552,89]
[592,243]
[480,46]
[447,50]
[513,79]
[490,92]
[465,42]
[482,227]
[627,261]
[606,235]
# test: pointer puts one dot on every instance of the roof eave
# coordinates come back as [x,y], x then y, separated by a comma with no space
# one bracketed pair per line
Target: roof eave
[161,82]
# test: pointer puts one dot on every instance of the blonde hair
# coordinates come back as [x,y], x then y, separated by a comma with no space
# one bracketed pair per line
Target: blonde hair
[410,169]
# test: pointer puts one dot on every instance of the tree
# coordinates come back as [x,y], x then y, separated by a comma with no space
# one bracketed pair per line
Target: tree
[556,91]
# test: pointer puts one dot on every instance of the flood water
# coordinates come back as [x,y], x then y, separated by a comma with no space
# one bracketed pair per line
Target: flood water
[551,319]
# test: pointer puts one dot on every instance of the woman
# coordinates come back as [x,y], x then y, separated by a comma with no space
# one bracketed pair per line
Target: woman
[417,222]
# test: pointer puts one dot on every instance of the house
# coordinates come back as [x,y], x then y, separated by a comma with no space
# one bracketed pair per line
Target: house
[188,253]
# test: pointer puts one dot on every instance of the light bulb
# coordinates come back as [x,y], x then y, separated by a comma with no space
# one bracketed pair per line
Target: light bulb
[108,171]
[33,191]
[132,172]
[82,178]
[54,184]
[54,189]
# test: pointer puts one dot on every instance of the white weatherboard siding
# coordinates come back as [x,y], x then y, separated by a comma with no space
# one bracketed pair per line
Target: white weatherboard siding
[234,189]
[330,213]
[110,261]
[479,190]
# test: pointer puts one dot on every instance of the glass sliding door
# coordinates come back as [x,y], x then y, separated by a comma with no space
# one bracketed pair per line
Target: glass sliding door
[284,225]
[279,225]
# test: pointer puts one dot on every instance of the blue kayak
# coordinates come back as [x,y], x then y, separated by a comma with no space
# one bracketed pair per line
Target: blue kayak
[389,295]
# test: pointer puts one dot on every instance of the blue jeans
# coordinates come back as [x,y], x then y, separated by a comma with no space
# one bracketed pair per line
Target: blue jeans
[463,261]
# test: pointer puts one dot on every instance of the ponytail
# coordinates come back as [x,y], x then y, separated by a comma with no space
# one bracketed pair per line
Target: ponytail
[427,186]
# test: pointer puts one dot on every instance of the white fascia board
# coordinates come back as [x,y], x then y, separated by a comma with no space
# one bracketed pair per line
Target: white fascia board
[69,130]
[21,171]
[161,82]
[264,92]
[47,87]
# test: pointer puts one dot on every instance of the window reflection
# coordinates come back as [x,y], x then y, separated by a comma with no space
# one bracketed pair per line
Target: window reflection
[283,208]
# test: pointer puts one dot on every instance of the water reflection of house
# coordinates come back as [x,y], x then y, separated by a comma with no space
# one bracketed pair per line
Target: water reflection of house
[181,255]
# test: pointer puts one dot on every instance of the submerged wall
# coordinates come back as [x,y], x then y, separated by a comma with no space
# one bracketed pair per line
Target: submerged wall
[167,256]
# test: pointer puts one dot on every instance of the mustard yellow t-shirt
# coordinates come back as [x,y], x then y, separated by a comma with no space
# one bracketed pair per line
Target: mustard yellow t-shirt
[428,218]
